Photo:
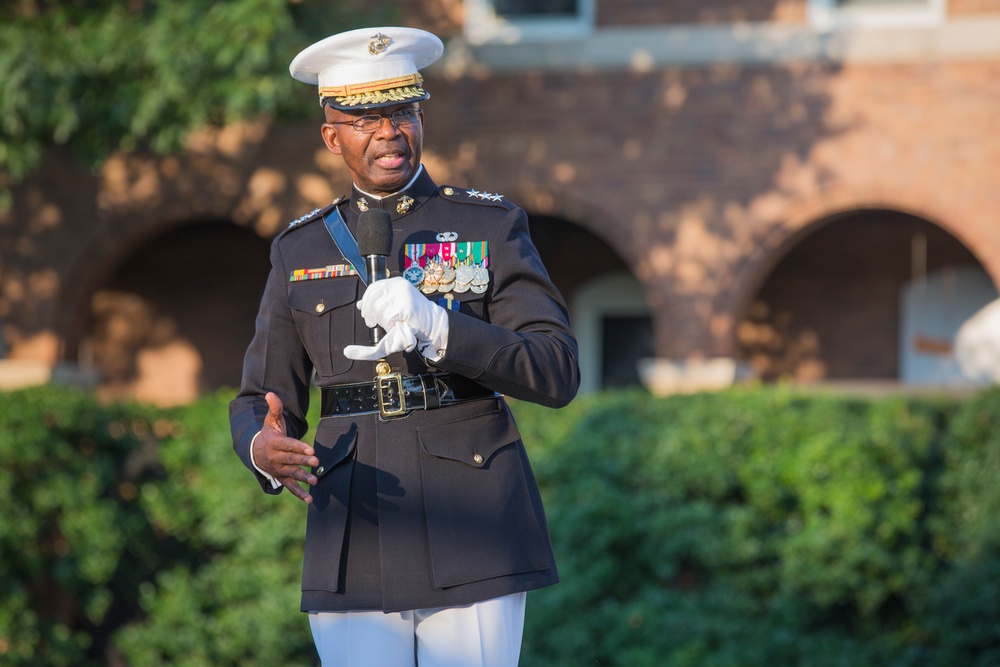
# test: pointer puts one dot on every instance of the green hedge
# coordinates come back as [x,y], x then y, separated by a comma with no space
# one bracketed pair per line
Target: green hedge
[748,527]
[136,534]
[767,527]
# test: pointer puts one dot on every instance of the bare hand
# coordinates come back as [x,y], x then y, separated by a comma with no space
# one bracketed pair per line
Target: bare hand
[286,459]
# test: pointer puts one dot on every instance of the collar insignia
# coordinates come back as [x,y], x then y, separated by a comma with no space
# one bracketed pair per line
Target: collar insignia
[404,204]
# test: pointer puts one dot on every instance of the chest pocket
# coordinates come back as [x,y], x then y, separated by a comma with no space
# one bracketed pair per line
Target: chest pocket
[324,314]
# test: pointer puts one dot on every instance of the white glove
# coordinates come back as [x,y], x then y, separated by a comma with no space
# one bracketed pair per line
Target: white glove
[399,338]
[393,300]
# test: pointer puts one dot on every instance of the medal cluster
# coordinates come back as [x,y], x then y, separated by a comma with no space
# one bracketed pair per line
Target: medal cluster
[448,267]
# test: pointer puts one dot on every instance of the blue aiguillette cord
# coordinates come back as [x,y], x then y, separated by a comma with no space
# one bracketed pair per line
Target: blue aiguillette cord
[346,242]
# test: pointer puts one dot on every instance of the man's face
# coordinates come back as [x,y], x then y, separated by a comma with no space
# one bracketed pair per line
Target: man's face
[381,162]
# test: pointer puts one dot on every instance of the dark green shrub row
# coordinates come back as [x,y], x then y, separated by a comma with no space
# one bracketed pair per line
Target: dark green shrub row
[766,527]
[751,527]
[134,536]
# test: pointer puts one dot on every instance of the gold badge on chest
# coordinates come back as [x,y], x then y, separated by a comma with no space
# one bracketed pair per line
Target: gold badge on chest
[404,204]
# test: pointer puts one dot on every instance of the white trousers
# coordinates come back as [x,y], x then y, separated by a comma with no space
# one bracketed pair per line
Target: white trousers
[484,634]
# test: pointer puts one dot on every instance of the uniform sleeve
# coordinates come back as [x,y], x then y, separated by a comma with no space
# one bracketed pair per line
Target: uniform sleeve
[275,361]
[523,348]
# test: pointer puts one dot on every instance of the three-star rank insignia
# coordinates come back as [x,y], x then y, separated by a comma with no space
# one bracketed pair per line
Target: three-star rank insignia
[486,196]
[313,213]
[302,218]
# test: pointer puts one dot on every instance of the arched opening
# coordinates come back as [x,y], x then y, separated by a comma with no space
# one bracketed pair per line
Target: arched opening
[175,317]
[608,309]
[871,295]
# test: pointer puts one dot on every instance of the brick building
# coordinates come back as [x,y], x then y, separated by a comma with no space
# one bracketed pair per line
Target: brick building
[802,189]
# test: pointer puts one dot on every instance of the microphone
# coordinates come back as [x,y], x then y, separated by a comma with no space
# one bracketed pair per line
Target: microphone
[375,244]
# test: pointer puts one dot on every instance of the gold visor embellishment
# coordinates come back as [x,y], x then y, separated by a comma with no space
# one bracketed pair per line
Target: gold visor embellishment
[408,83]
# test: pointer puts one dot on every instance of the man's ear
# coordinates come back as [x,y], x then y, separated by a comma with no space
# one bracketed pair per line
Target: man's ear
[330,138]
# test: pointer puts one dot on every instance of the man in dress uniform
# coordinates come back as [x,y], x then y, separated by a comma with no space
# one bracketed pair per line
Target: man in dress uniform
[425,527]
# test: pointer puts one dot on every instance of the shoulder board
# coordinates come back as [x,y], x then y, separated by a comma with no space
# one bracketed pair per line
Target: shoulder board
[473,196]
[315,214]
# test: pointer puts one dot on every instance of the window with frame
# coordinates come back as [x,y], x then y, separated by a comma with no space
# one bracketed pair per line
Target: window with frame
[547,8]
[512,21]
[832,14]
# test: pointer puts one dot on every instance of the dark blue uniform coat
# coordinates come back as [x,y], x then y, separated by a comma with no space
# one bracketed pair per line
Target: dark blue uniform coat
[439,508]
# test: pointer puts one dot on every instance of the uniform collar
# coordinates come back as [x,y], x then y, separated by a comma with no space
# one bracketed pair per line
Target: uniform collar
[399,204]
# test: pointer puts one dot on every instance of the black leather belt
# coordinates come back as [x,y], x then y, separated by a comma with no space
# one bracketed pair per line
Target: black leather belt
[396,395]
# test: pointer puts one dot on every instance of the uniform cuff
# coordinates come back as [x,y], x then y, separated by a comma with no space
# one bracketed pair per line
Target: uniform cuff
[275,484]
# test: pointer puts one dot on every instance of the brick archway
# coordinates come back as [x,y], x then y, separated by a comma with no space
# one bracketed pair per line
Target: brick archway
[829,306]
[172,317]
[801,217]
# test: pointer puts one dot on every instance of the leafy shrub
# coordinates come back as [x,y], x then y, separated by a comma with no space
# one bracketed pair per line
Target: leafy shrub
[134,534]
[75,545]
[964,613]
[767,527]
[744,528]
[236,602]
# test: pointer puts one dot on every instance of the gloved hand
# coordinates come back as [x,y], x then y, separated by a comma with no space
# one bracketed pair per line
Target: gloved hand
[399,338]
[393,300]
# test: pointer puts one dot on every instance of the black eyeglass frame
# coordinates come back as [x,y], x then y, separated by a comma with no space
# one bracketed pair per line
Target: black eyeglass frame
[361,120]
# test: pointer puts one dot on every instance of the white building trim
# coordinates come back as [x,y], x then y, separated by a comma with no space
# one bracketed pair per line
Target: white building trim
[617,294]
[483,26]
[831,15]
[657,47]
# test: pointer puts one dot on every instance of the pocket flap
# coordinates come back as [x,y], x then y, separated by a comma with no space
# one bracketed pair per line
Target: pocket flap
[332,449]
[469,296]
[472,440]
[318,297]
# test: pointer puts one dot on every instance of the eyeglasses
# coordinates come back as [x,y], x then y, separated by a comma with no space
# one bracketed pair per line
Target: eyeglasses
[372,122]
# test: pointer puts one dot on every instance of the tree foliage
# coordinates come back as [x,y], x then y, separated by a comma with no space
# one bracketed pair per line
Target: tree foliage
[99,76]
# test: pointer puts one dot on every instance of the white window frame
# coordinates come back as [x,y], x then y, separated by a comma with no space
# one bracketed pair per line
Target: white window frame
[483,26]
[826,15]
[617,294]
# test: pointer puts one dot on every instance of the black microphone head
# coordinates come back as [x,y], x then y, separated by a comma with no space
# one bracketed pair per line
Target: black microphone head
[374,233]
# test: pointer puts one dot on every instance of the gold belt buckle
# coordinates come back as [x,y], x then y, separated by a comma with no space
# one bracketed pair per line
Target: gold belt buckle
[385,383]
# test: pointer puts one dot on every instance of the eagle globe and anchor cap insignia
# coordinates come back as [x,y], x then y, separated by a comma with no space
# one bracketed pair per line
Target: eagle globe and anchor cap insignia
[368,68]
[378,44]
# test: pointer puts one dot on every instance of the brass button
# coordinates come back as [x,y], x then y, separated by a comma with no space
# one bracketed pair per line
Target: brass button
[449,191]
[382,368]
[320,307]
[478,458]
